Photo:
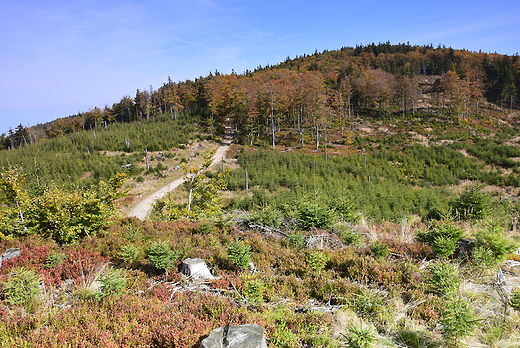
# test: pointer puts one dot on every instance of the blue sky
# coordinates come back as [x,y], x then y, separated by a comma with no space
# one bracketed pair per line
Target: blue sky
[60,57]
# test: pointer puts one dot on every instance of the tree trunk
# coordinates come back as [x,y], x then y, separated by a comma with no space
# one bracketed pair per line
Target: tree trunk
[247,182]
[190,195]
[317,137]
[274,130]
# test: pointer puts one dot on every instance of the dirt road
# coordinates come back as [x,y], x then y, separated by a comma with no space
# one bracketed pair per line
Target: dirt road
[144,207]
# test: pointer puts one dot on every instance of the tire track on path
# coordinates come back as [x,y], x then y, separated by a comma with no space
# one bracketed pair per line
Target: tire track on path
[143,208]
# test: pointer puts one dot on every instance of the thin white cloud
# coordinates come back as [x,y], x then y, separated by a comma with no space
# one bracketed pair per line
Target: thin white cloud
[86,53]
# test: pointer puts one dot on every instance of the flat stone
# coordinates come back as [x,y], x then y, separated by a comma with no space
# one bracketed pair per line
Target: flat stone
[10,253]
[236,336]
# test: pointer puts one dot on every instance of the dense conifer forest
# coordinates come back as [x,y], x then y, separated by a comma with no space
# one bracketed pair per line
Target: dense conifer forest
[369,199]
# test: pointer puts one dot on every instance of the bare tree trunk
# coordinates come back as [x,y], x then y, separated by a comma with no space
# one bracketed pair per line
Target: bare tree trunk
[146,157]
[274,129]
[317,137]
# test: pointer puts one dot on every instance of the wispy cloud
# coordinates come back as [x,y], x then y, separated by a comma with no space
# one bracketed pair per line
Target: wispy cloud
[70,55]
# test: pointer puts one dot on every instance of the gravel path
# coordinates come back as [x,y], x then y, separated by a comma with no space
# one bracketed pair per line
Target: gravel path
[142,208]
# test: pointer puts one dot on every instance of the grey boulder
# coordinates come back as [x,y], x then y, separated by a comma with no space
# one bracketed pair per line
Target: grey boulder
[236,336]
[9,254]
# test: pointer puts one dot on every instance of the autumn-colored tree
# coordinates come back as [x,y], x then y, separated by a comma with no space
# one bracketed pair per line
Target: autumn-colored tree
[380,87]
[476,79]
[408,92]
[219,93]
[271,102]
[449,85]
[249,88]
[176,97]
[339,102]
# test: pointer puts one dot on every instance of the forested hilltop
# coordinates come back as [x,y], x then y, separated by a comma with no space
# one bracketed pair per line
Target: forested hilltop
[312,91]
[369,198]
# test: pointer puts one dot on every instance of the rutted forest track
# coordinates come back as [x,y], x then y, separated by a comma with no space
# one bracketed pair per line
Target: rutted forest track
[143,207]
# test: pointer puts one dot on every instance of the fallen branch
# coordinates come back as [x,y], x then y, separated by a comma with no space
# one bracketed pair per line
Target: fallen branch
[242,297]
[269,229]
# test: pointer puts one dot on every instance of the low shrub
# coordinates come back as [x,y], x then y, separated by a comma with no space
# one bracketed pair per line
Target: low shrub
[54,259]
[493,245]
[443,280]
[313,214]
[368,302]
[239,254]
[442,238]
[344,208]
[444,246]
[359,337]
[205,227]
[345,232]
[471,203]
[268,216]
[457,319]
[296,239]
[129,254]
[317,260]
[112,284]
[23,288]
[380,250]
[254,292]
[161,256]
[515,299]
